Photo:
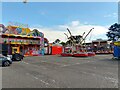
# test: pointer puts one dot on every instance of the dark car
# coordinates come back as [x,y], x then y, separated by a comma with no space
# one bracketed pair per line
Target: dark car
[5,61]
[17,57]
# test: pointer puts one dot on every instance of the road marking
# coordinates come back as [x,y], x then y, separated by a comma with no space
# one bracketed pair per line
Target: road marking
[32,76]
[51,63]
[37,79]
[113,80]
[77,64]
[44,82]
[25,62]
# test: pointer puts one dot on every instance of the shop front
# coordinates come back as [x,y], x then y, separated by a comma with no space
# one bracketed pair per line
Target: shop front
[28,44]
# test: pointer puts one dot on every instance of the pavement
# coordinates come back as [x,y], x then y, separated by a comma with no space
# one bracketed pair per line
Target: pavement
[54,71]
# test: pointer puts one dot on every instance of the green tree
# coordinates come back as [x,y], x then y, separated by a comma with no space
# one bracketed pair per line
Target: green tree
[63,43]
[114,32]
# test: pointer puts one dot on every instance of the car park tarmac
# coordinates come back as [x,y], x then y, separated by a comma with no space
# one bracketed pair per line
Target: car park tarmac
[54,71]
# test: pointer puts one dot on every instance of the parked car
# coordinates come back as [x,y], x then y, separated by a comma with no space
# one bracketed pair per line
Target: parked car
[5,61]
[17,57]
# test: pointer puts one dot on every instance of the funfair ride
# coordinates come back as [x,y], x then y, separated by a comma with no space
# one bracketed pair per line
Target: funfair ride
[77,46]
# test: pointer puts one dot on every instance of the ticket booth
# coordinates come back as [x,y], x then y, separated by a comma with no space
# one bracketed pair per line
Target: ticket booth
[15,50]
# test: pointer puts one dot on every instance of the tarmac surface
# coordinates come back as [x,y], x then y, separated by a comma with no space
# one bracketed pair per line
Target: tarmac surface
[62,72]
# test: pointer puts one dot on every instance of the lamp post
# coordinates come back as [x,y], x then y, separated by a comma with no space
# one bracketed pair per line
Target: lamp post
[24,1]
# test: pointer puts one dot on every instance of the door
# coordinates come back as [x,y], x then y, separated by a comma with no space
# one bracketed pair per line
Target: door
[15,50]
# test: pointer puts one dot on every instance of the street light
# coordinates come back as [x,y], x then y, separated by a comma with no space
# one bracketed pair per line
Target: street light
[24,1]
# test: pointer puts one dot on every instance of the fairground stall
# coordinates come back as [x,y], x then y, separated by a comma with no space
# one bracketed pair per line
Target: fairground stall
[102,47]
[55,49]
[22,40]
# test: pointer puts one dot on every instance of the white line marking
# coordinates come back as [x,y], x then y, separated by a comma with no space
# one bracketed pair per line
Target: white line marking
[35,77]
[113,80]
[38,78]
[25,62]
[44,82]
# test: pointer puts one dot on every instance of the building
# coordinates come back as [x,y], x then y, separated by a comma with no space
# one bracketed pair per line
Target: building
[102,46]
[22,40]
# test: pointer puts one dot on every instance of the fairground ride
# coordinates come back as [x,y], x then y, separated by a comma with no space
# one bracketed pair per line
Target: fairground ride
[77,47]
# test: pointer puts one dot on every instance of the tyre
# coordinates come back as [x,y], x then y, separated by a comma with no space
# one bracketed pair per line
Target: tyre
[6,63]
[18,58]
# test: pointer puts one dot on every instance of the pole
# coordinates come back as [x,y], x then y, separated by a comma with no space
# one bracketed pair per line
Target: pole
[87,35]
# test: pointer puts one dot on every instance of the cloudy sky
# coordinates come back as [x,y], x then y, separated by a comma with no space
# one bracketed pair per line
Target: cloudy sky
[52,18]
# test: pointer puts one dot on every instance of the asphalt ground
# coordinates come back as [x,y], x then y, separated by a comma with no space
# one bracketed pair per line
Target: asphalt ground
[53,71]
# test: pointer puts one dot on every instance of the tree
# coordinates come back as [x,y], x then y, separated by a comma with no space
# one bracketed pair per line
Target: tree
[69,42]
[57,41]
[63,43]
[76,39]
[114,32]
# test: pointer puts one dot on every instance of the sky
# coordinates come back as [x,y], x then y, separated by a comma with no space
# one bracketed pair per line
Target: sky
[52,18]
